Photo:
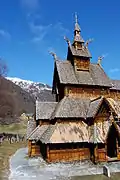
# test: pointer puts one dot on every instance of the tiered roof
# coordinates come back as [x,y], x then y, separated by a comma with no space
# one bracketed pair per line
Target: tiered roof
[70,107]
[95,76]
[72,132]
[75,108]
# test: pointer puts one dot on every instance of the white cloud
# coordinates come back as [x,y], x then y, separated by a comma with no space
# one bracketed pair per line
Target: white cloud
[39,31]
[30,4]
[61,29]
[114,70]
[5,34]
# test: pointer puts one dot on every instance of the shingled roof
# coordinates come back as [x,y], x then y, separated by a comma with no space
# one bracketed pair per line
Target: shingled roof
[83,52]
[62,133]
[70,107]
[116,85]
[98,132]
[115,105]
[44,110]
[95,76]
[30,127]
[38,132]
[94,106]
[73,132]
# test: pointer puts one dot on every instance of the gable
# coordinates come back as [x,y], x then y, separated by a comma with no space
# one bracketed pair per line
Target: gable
[55,80]
[99,109]
[104,110]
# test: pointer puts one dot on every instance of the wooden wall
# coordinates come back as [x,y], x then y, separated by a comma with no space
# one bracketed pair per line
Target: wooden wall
[118,153]
[90,92]
[44,122]
[101,155]
[68,155]
[33,149]
[81,64]
[85,92]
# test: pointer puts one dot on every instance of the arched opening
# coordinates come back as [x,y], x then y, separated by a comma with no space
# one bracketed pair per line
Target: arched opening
[112,142]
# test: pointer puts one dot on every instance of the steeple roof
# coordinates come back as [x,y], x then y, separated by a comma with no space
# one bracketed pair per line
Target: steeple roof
[77,30]
[77,27]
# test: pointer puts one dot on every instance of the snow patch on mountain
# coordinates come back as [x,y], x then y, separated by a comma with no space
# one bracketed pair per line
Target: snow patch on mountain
[30,86]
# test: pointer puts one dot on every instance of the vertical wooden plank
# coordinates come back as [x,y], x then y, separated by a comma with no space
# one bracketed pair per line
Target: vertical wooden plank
[48,153]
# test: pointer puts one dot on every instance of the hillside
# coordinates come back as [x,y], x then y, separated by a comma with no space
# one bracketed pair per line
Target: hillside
[38,90]
[13,101]
[18,96]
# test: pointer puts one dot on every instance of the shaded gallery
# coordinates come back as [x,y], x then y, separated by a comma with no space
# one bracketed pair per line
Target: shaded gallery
[83,123]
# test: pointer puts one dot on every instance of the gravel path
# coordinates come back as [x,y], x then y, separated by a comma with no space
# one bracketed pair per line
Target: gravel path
[37,169]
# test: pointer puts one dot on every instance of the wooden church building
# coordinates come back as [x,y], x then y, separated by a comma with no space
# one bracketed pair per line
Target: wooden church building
[83,123]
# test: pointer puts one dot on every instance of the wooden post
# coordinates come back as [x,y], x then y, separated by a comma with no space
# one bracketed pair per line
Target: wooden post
[29,148]
[48,155]
[66,91]
[106,158]
[96,153]
[117,149]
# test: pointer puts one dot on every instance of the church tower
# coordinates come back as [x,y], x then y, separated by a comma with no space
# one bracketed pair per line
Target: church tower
[78,52]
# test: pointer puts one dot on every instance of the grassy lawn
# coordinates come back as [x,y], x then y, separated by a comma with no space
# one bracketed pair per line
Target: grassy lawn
[7,149]
[16,128]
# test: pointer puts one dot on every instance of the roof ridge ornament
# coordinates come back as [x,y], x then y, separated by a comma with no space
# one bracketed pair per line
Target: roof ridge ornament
[100,58]
[67,40]
[88,41]
[53,54]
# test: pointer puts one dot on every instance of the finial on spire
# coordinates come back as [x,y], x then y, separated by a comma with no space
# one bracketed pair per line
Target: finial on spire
[77,27]
[53,54]
[76,18]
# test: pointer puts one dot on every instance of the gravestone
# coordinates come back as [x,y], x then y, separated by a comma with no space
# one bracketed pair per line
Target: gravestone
[106,171]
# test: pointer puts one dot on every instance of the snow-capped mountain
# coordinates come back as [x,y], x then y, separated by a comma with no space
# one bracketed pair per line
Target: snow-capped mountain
[40,90]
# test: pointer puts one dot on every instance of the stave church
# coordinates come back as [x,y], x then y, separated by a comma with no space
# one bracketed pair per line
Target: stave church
[83,123]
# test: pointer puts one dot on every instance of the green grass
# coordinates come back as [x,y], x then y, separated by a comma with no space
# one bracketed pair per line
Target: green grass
[19,128]
[7,149]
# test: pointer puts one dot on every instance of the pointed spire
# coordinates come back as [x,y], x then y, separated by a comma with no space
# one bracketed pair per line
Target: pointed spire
[77,27]
[78,40]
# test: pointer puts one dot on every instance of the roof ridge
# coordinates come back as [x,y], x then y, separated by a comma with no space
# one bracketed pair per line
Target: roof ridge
[33,131]
[97,108]
[115,79]
[100,97]
[49,127]
[53,130]
[53,114]
[58,105]
[43,102]
[87,107]
[105,74]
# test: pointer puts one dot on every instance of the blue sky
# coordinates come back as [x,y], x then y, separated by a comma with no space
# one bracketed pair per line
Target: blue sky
[29,28]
